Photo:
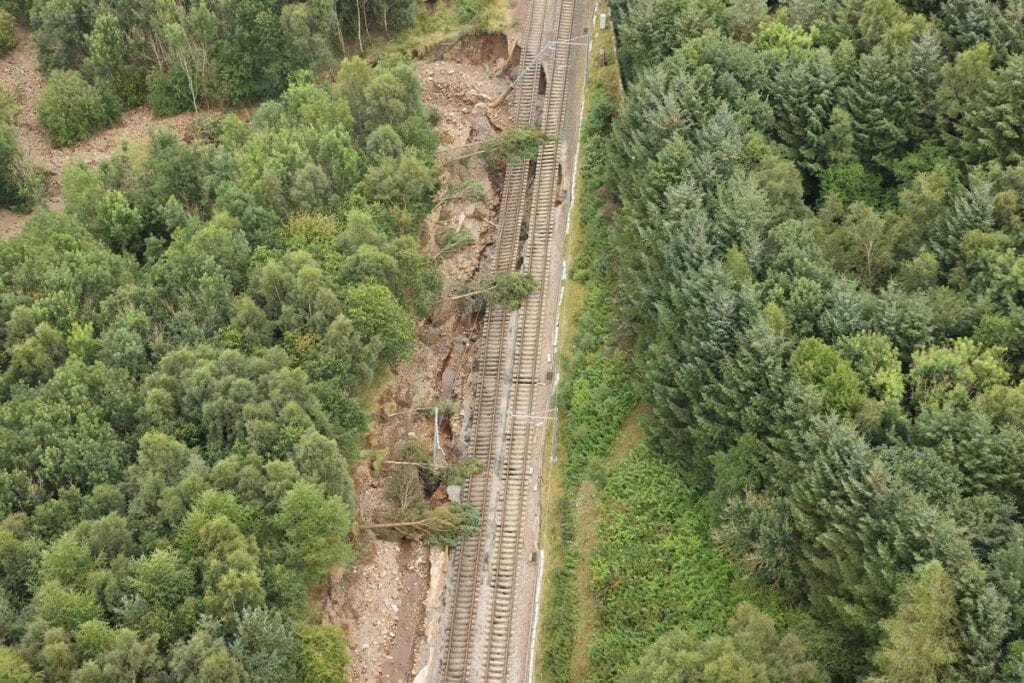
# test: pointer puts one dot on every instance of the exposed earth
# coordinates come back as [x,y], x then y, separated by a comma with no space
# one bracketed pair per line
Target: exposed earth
[21,79]
[380,602]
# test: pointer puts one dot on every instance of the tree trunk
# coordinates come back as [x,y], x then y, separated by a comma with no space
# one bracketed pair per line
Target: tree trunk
[341,37]
[359,26]
[474,293]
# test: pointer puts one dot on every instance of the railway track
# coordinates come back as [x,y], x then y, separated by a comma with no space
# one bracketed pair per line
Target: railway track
[512,380]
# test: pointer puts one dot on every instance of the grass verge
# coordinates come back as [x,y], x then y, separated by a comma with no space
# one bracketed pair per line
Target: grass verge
[588,389]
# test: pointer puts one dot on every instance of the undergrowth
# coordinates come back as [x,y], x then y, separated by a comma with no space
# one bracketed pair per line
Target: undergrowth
[653,567]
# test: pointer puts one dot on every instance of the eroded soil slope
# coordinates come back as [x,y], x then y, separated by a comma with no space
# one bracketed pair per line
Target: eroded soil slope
[381,602]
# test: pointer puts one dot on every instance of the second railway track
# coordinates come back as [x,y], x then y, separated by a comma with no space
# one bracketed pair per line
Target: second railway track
[512,383]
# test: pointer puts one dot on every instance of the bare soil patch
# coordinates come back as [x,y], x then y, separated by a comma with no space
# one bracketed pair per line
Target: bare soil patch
[21,79]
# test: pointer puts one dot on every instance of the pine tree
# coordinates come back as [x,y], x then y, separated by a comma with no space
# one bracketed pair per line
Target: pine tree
[994,118]
[802,93]
[972,209]
[854,549]
[920,637]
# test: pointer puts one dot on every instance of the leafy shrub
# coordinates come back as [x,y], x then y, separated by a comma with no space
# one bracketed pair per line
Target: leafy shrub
[71,109]
[17,8]
[599,402]
[21,186]
[466,10]
[413,450]
[320,652]
[465,191]
[168,92]
[377,315]
[8,32]
[304,228]
[653,567]
[456,240]
[852,182]
[755,649]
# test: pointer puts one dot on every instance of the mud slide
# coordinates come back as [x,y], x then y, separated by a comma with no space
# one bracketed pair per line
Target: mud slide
[388,603]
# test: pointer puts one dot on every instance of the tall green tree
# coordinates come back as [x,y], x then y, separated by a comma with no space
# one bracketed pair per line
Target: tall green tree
[753,651]
[920,643]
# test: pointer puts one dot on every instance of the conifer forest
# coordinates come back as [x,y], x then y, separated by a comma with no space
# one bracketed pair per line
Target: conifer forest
[793,432]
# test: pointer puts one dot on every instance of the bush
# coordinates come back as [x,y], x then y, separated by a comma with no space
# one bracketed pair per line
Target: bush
[380,319]
[653,567]
[8,32]
[320,654]
[168,92]
[851,183]
[21,185]
[466,10]
[18,8]
[71,109]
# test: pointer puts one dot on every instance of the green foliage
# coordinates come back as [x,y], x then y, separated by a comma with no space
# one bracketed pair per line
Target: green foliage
[803,238]
[753,651]
[445,525]
[16,669]
[510,289]
[852,182]
[956,374]
[467,10]
[594,398]
[814,362]
[71,109]
[376,314]
[177,350]
[57,606]
[17,8]
[320,654]
[182,56]
[315,530]
[464,190]
[460,472]
[265,646]
[598,403]
[647,38]
[652,568]
[8,32]
[919,643]
[993,114]
[411,516]
[21,186]
[167,93]
[506,290]
[303,228]
[514,146]
[109,65]
[205,657]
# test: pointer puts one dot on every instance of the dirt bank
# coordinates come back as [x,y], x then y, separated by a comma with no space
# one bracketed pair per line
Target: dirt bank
[380,602]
